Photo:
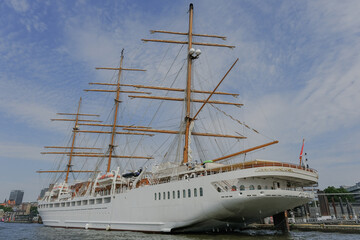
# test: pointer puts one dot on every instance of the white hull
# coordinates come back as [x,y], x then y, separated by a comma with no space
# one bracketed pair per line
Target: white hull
[137,209]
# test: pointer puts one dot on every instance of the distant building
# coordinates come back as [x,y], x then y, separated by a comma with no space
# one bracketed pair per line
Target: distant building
[17,196]
[42,193]
[355,189]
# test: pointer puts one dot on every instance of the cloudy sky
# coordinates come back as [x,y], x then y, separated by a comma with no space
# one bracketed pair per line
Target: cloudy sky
[298,73]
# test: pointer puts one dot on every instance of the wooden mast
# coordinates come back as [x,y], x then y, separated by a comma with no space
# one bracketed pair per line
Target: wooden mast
[188,88]
[72,148]
[114,125]
[111,145]
[190,57]
[73,142]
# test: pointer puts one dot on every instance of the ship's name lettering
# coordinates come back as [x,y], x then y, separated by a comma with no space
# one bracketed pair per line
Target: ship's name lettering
[274,170]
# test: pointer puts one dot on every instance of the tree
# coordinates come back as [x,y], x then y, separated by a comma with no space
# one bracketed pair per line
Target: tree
[33,210]
[335,190]
[6,209]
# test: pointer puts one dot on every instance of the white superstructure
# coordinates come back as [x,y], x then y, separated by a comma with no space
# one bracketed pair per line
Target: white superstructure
[203,199]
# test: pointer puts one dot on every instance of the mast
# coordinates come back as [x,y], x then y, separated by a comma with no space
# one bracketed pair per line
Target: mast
[190,57]
[117,101]
[111,145]
[188,88]
[73,142]
[72,148]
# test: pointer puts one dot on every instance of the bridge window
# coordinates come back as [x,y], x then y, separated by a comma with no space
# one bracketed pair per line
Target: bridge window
[173,194]
[155,196]
[164,196]
[189,193]
[184,193]
[195,192]
[159,196]
[201,192]
[168,195]
[178,193]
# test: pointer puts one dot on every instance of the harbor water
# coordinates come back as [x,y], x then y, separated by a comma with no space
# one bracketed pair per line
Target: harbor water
[17,231]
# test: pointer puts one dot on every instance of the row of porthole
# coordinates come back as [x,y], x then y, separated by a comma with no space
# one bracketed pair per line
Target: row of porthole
[242,188]
[188,193]
[76,203]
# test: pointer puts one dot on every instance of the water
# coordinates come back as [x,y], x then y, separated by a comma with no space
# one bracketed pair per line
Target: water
[21,231]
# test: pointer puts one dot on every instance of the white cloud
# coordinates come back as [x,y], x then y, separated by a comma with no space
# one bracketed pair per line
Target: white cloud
[19,5]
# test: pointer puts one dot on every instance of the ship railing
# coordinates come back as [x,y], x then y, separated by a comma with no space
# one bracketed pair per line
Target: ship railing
[255,164]
[228,168]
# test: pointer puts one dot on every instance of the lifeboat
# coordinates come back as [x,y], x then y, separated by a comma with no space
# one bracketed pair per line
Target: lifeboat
[106,179]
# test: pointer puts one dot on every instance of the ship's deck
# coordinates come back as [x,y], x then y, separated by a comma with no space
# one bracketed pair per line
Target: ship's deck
[259,163]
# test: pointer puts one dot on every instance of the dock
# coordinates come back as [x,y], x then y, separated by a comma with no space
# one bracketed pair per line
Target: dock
[320,227]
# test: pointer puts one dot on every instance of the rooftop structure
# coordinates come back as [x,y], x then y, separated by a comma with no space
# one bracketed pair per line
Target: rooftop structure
[355,189]
[17,196]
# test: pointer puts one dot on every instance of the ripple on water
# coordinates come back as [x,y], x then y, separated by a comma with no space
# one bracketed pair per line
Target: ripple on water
[15,231]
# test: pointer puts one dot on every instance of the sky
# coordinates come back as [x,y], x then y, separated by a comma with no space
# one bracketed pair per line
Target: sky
[297,75]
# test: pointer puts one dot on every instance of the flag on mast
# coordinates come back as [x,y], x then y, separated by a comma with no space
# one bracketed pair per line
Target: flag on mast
[302,151]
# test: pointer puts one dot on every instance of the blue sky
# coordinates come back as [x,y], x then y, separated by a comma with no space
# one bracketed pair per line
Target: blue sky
[298,73]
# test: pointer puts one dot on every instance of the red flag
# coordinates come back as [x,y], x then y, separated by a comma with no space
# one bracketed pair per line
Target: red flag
[302,150]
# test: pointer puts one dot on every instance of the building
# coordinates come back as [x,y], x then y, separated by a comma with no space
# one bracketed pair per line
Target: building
[17,196]
[355,189]
[42,193]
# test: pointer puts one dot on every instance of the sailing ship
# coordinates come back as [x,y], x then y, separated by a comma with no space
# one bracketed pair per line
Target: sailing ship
[178,193]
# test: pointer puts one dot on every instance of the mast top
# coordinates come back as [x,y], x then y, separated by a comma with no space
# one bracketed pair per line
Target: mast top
[191,6]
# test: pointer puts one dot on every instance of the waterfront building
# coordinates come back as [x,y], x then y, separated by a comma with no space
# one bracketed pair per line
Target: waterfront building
[42,193]
[355,189]
[17,196]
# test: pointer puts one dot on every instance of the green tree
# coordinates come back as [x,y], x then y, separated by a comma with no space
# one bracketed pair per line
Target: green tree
[33,210]
[6,209]
[332,189]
